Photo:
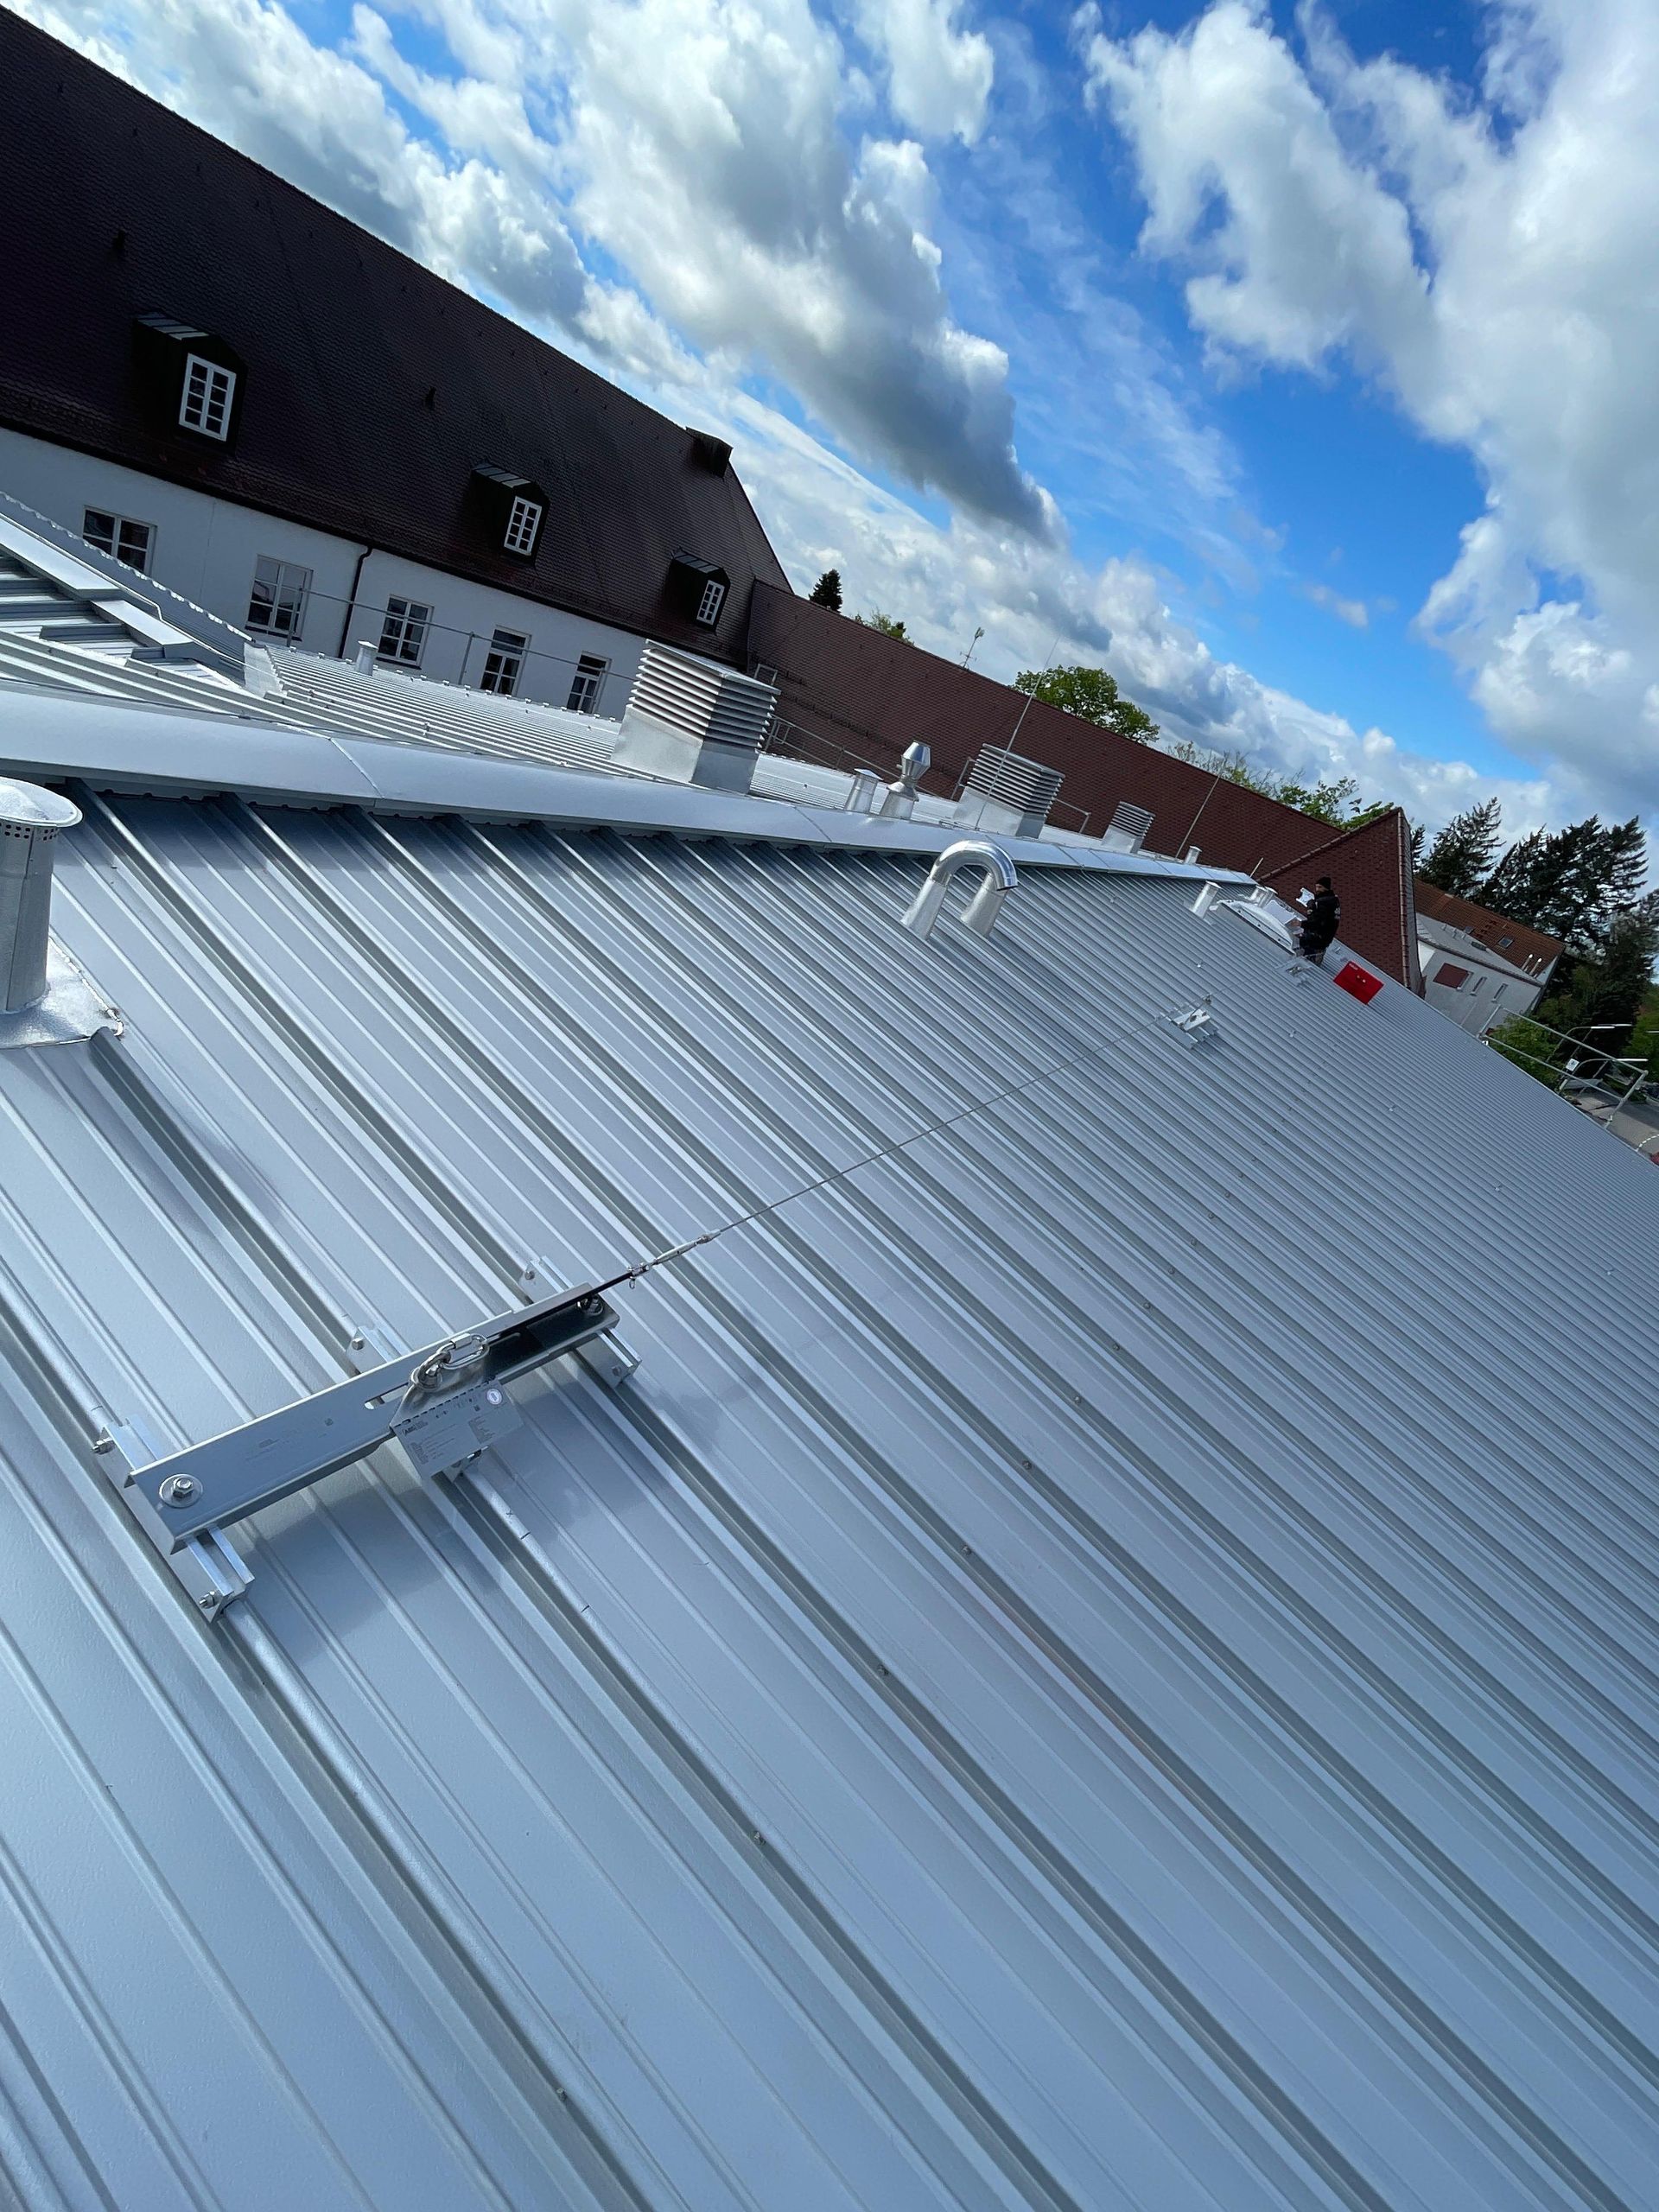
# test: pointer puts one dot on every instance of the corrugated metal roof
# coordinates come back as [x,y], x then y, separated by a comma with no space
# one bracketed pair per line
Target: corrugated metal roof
[1070,1677]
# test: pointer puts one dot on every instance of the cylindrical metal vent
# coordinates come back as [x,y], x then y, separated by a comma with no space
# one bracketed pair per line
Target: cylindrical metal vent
[30,822]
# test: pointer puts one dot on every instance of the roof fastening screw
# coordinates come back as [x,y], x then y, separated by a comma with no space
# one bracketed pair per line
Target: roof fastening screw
[179,1489]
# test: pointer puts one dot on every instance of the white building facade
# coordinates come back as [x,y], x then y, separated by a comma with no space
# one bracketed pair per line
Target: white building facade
[299,585]
[1467,981]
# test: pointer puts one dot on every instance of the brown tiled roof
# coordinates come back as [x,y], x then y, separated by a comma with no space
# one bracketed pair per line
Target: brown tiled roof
[1369,869]
[1528,948]
[373,388]
[874,695]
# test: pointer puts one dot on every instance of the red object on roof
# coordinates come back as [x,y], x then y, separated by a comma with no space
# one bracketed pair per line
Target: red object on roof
[873,695]
[1359,981]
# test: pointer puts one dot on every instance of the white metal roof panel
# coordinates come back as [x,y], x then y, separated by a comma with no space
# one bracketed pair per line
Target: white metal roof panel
[1056,1684]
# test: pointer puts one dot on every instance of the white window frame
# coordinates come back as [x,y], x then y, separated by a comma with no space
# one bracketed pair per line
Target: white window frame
[710,603]
[286,571]
[587,684]
[403,625]
[118,525]
[524,526]
[206,396]
[503,664]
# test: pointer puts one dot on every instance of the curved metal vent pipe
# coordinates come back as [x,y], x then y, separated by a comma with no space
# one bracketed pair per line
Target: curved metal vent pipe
[30,820]
[979,917]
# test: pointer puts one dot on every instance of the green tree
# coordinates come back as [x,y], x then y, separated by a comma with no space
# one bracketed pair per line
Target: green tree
[1572,883]
[1606,994]
[1460,859]
[1330,800]
[1417,834]
[1530,1047]
[889,624]
[827,591]
[1092,696]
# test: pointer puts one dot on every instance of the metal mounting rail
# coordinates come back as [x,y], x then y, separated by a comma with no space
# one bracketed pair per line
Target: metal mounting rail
[444,1405]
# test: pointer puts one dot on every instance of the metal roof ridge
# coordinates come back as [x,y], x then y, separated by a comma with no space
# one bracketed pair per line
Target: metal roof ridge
[114,745]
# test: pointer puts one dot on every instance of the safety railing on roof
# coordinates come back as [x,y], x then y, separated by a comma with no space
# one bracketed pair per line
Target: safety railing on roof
[539,675]
[1600,1082]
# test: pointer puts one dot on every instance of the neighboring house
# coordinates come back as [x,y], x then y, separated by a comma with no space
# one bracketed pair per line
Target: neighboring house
[1479,967]
[851,687]
[218,381]
[1009,1706]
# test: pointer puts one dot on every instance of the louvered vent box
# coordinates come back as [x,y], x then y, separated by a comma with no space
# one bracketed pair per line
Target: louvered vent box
[1006,791]
[693,722]
[1127,830]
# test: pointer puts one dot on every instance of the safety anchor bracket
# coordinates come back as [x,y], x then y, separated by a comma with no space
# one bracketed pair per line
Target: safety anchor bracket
[443,1404]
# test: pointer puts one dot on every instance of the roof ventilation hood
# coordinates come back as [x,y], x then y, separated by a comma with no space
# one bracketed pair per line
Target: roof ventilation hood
[898,798]
[1127,830]
[691,720]
[1005,792]
[30,820]
[44,998]
[979,917]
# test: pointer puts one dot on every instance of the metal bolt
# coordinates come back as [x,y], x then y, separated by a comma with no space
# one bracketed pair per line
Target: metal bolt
[102,1444]
[179,1489]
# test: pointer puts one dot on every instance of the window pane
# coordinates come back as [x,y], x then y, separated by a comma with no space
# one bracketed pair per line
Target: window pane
[403,631]
[522,525]
[503,663]
[710,605]
[119,535]
[206,404]
[132,543]
[586,684]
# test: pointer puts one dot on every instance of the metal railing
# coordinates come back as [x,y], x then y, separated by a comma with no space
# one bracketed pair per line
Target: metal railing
[1569,1064]
[554,672]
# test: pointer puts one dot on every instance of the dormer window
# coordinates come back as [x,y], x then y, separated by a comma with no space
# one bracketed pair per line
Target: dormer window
[697,587]
[505,510]
[192,380]
[208,389]
[523,522]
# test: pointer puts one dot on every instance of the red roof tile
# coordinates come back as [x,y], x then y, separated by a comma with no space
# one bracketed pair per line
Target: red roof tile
[1526,947]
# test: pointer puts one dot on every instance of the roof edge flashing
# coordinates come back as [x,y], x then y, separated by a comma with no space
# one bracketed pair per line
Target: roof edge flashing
[115,746]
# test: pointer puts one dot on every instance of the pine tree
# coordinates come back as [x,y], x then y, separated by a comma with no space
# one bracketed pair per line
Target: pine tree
[1460,859]
[1572,883]
[826,590]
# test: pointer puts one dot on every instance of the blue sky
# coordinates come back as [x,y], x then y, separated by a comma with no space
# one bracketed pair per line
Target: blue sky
[1298,363]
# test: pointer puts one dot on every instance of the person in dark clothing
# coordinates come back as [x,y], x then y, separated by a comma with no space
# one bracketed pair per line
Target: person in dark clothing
[1320,922]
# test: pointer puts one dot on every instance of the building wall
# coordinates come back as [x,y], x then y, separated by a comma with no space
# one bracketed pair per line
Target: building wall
[206,547]
[1494,992]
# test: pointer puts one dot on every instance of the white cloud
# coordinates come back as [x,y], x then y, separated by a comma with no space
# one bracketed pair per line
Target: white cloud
[1496,268]
[709,159]
[940,76]
[670,187]
[944,581]
[1353,612]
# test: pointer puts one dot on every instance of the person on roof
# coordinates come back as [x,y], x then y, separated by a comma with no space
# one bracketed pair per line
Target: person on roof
[1320,922]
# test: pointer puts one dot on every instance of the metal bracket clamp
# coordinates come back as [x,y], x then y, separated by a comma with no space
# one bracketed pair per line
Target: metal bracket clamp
[1197,1024]
[444,1404]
